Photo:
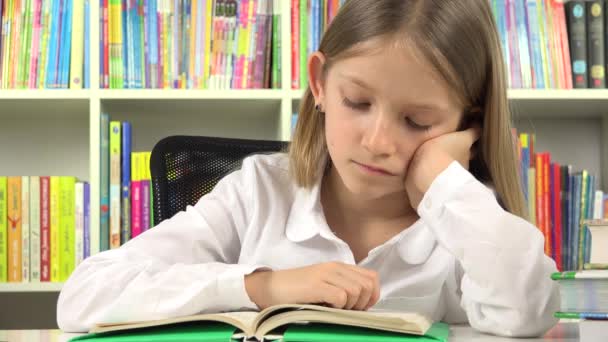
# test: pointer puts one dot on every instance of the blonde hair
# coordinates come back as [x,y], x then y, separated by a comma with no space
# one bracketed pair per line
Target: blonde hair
[459,39]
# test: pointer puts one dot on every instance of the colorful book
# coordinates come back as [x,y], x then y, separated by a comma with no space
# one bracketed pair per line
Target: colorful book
[45,228]
[115,186]
[125,171]
[104,180]
[77,46]
[136,197]
[14,228]
[25,228]
[67,230]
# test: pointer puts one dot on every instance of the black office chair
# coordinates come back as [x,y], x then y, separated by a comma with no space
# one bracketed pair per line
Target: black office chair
[184,168]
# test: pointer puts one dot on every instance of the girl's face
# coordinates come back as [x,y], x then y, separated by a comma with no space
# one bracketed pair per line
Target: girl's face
[380,107]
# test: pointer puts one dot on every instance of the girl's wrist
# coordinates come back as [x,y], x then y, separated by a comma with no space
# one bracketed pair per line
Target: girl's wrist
[255,286]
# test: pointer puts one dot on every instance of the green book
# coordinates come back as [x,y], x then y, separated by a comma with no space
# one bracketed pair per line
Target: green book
[289,323]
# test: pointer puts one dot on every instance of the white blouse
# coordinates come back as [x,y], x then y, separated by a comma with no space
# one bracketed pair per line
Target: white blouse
[465,260]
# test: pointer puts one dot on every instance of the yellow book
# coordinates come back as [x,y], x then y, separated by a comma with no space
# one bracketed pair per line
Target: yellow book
[3,230]
[7,44]
[248,40]
[542,36]
[77,53]
[115,186]
[67,226]
[14,229]
[208,29]
[45,32]
[54,228]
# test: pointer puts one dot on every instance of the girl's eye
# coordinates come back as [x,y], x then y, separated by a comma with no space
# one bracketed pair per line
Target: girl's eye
[355,105]
[416,126]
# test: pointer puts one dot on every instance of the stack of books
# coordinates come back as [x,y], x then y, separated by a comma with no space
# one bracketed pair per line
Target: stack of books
[584,294]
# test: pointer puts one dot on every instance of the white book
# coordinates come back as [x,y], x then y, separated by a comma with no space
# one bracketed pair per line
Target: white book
[35,228]
[79,224]
[25,229]
[598,205]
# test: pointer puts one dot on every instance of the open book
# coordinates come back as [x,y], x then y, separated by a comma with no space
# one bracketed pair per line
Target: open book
[266,325]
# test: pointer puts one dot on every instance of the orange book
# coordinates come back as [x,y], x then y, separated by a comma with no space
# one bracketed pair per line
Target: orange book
[13,210]
[539,190]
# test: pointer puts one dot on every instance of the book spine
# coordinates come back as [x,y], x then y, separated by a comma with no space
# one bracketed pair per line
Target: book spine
[303,43]
[67,230]
[77,58]
[86,78]
[560,18]
[14,229]
[104,192]
[295,44]
[595,41]
[54,229]
[125,227]
[136,228]
[45,229]
[582,212]
[546,204]
[3,230]
[35,228]
[25,228]
[79,223]
[582,315]
[115,184]
[577,34]
[87,220]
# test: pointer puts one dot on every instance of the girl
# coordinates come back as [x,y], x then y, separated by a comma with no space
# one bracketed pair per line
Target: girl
[375,205]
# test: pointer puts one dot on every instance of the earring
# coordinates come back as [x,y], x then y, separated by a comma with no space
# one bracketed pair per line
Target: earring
[318,109]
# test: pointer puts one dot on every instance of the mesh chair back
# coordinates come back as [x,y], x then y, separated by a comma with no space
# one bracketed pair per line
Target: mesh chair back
[184,168]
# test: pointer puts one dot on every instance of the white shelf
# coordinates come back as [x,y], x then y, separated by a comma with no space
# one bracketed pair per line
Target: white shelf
[45,94]
[30,287]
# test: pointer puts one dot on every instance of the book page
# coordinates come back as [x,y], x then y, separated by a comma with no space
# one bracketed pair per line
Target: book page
[242,320]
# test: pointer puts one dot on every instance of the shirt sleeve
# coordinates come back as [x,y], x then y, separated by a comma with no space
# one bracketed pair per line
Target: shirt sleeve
[183,266]
[506,285]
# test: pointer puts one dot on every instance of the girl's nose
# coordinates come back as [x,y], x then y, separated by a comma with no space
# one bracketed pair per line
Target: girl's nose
[378,137]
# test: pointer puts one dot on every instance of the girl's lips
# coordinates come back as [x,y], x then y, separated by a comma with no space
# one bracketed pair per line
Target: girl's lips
[374,169]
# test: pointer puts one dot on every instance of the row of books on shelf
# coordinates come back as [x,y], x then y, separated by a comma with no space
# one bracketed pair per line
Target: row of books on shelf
[126,188]
[559,201]
[44,227]
[210,44]
[552,44]
[44,44]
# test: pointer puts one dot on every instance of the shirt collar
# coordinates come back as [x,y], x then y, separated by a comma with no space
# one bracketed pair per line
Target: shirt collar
[307,220]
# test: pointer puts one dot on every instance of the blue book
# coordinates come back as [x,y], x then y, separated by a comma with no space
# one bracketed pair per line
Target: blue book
[125,45]
[153,36]
[552,212]
[67,48]
[104,191]
[524,47]
[535,46]
[125,172]
[61,47]
[87,220]
[578,181]
[87,46]
[51,61]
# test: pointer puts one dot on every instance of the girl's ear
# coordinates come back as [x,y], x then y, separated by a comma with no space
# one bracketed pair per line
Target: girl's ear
[316,63]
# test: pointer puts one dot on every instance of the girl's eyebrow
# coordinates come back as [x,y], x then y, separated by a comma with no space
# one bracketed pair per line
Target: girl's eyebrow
[422,106]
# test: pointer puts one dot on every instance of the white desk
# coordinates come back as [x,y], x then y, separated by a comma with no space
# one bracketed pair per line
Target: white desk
[563,332]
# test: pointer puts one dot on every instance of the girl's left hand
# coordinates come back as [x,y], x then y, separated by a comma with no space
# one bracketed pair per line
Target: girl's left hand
[434,156]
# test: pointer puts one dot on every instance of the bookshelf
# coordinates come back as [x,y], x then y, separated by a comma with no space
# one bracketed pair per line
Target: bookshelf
[56,132]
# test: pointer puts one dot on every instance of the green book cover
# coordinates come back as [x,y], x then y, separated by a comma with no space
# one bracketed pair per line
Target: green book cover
[276,45]
[220,332]
[586,274]
[193,332]
[3,231]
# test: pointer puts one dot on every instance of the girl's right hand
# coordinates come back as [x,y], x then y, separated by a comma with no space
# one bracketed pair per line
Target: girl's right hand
[335,284]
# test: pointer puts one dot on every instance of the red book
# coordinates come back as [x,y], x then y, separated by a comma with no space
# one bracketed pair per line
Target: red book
[45,235]
[559,21]
[295,44]
[539,191]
